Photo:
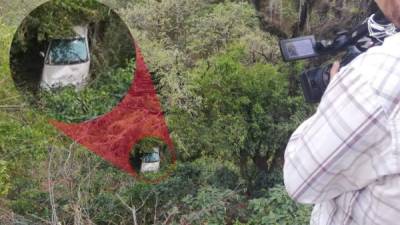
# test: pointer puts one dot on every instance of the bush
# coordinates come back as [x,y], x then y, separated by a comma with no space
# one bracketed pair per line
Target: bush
[4,178]
[245,114]
[105,92]
[277,208]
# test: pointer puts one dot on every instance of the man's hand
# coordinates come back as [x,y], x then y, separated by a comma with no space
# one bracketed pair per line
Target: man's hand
[335,69]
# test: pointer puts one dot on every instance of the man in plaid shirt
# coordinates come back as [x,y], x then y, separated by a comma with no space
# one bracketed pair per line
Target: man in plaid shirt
[345,159]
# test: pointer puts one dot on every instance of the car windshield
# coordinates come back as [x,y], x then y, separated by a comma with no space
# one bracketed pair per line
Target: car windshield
[151,157]
[67,51]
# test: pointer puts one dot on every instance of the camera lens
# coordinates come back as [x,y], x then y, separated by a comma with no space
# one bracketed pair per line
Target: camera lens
[314,83]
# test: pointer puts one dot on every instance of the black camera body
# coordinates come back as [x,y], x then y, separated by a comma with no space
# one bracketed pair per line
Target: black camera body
[315,81]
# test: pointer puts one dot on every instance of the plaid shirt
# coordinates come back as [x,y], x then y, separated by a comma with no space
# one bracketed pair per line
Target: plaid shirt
[345,159]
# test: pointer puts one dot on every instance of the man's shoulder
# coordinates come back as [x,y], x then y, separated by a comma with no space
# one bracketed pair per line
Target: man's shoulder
[379,57]
[390,47]
[380,67]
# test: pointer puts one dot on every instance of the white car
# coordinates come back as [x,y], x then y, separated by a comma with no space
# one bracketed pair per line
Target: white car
[67,61]
[151,161]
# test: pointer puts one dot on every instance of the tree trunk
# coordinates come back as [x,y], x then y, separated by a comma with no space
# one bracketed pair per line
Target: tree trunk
[261,162]
[269,12]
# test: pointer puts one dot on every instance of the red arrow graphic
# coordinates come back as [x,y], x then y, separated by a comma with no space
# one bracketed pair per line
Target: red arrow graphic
[113,135]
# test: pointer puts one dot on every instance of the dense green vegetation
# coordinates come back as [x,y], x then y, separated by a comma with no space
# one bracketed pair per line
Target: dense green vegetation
[229,100]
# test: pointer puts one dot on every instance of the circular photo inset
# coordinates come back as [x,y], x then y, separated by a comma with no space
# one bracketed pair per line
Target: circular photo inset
[72,62]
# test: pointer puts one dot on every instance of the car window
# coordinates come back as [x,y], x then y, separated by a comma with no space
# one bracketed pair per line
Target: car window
[151,157]
[67,51]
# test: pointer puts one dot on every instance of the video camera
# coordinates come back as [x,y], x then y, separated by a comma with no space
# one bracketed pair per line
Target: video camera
[369,33]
